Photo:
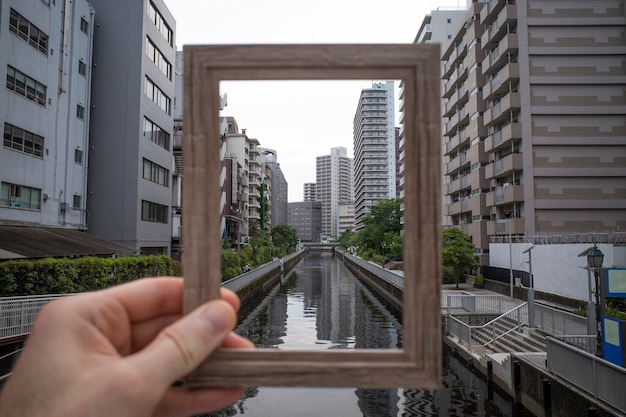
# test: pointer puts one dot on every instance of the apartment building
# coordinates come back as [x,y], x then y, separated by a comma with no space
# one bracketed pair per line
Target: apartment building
[310,191]
[345,217]
[534,119]
[334,185]
[279,187]
[47,49]
[130,160]
[374,148]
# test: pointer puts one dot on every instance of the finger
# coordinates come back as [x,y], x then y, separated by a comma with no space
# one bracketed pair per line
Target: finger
[234,341]
[182,346]
[181,402]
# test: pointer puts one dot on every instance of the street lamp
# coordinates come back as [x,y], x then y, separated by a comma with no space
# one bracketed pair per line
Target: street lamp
[509,221]
[531,290]
[595,257]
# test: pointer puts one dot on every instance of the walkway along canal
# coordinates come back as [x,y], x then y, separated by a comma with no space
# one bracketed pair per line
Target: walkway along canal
[320,304]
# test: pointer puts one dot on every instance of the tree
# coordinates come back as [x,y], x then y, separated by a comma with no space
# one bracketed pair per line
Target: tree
[458,253]
[380,237]
[284,237]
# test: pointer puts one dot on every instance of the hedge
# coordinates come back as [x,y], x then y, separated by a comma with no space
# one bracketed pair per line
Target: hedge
[59,276]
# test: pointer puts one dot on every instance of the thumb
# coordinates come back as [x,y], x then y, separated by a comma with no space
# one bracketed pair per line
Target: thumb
[181,347]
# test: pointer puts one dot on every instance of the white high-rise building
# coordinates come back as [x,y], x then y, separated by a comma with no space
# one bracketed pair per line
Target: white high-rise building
[374,148]
[334,186]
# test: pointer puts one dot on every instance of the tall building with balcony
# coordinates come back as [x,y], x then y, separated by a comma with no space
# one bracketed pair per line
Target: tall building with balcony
[46,56]
[130,159]
[310,191]
[374,148]
[334,185]
[279,187]
[534,119]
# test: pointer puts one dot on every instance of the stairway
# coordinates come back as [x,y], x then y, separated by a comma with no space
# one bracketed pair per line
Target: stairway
[519,340]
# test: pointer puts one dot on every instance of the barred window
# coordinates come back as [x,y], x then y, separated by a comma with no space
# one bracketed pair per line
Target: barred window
[153,212]
[82,68]
[76,202]
[20,196]
[28,32]
[155,173]
[84,25]
[80,112]
[23,141]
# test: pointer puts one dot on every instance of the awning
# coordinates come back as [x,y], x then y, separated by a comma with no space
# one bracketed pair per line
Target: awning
[41,242]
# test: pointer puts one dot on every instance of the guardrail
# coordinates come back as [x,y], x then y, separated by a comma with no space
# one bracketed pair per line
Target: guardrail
[515,319]
[238,282]
[470,303]
[559,322]
[17,314]
[586,342]
[384,274]
[601,379]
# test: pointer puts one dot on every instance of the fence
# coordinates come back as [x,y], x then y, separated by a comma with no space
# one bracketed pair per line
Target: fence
[514,319]
[384,274]
[479,304]
[558,322]
[17,314]
[601,379]
[246,278]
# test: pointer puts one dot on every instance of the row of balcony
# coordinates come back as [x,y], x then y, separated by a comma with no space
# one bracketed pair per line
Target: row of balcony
[502,137]
[481,204]
[502,110]
[497,58]
[505,20]
[500,82]
[475,154]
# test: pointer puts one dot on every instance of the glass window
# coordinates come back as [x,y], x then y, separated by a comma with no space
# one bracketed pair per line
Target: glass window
[25,30]
[18,196]
[23,85]
[80,112]
[82,67]
[84,25]
[78,156]
[76,202]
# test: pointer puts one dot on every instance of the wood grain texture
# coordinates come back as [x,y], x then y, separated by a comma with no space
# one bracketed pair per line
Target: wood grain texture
[418,364]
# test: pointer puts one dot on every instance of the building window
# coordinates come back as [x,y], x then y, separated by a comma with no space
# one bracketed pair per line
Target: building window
[153,212]
[19,196]
[21,84]
[159,60]
[82,68]
[84,25]
[157,95]
[76,202]
[155,173]
[25,30]
[159,22]
[22,141]
[78,156]
[156,134]
[80,112]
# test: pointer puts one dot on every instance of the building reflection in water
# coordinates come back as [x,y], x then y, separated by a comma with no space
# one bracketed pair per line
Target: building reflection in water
[321,305]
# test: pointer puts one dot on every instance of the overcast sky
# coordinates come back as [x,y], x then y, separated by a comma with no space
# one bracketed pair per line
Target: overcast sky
[305,119]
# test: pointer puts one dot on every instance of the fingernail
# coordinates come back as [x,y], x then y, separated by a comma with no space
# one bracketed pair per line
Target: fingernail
[217,317]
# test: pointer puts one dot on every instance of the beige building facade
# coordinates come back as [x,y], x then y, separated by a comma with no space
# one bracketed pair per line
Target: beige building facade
[535,119]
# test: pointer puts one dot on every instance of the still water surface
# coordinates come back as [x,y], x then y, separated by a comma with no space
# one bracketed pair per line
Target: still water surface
[321,305]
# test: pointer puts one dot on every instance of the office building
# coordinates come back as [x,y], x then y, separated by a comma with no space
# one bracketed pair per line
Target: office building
[306,218]
[46,56]
[130,159]
[334,185]
[534,116]
[374,148]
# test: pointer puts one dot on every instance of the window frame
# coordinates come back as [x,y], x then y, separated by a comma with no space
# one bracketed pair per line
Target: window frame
[418,364]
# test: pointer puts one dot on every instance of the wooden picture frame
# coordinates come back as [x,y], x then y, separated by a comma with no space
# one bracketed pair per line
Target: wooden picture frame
[418,364]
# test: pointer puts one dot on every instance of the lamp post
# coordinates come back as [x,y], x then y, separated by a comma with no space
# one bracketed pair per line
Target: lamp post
[531,290]
[595,257]
[509,221]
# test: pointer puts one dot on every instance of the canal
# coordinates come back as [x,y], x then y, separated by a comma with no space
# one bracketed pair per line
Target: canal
[321,305]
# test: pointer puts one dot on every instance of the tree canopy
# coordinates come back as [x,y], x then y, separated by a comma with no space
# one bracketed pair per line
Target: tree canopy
[458,253]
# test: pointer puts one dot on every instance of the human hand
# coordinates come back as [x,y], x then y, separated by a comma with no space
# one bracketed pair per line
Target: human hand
[117,352]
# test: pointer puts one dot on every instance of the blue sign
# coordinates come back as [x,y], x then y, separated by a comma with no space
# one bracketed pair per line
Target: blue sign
[613,340]
[616,282]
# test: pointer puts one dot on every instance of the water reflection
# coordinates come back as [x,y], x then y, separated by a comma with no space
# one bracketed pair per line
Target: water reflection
[321,305]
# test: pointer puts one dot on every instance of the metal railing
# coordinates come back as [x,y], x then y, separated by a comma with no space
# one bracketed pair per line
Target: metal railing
[601,379]
[17,314]
[558,322]
[246,278]
[479,304]
[382,273]
[493,329]
[586,342]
